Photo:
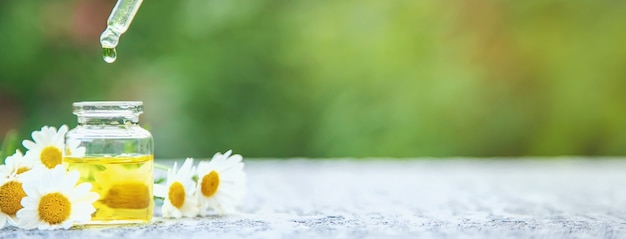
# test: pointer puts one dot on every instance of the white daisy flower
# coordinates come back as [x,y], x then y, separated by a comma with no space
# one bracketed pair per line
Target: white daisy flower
[11,194]
[49,148]
[221,183]
[54,200]
[180,199]
[15,165]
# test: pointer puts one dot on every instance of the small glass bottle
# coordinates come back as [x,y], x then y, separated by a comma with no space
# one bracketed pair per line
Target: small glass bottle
[116,156]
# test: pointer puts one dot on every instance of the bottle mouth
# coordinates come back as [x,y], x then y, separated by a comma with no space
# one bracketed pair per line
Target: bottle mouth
[107,109]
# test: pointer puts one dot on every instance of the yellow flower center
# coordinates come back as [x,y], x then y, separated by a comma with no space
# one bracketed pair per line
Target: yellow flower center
[22,170]
[54,208]
[11,194]
[176,194]
[51,156]
[210,183]
[131,195]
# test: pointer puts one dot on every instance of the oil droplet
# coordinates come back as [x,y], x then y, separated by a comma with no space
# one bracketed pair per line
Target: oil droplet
[109,54]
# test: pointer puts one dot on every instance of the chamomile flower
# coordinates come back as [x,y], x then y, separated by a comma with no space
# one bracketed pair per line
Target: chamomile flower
[221,183]
[15,165]
[54,200]
[180,200]
[11,195]
[48,147]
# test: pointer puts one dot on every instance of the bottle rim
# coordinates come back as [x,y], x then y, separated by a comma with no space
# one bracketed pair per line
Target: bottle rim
[107,107]
[121,104]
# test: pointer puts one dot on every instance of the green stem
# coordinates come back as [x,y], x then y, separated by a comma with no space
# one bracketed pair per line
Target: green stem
[9,145]
[161,166]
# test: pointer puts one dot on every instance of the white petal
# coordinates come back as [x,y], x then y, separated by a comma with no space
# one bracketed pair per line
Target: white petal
[225,196]
[225,206]
[80,217]
[216,156]
[28,225]
[60,135]
[45,226]
[79,191]
[13,221]
[3,220]
[168,210]
[190,186]
[49,136]
[27,218]
[70,179]
[90,198]
[172,172]
[82,211]
[233,171]
[30,202]
[72,143]
[30,188]
[59,171]
[227,154]
[38,137]
[48,182]
[185,169]
[26,214]
[160,190]
[39,182]
[221,166]
[236,158]
[79,152]
[67,224]
[203,168]
[59,145]
[190,208]
[5,172]
[30,145]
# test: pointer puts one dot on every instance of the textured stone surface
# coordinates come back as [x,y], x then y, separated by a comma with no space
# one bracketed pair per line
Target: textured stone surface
[453,198]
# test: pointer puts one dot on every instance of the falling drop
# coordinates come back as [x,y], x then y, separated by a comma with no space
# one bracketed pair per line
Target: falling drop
[109,54]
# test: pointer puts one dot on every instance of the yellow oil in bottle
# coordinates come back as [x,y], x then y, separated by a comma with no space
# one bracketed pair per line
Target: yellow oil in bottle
[124,185]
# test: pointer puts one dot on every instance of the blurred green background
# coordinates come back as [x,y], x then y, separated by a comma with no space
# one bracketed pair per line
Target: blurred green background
[325,78]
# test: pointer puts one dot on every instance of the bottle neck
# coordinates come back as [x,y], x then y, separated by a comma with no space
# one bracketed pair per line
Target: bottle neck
[108,121]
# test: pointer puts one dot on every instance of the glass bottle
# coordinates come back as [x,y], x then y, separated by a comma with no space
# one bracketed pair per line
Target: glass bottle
[115,155]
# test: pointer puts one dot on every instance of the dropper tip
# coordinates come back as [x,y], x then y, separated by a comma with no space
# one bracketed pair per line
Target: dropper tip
[109,54]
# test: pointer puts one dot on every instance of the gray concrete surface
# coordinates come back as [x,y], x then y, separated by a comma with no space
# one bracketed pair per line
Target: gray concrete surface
[452,198]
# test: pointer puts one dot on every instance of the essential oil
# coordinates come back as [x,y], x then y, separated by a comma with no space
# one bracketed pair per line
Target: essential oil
[109,55]
[123,183]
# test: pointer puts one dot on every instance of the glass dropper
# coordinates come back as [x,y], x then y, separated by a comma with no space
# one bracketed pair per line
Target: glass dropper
[118,22]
